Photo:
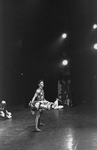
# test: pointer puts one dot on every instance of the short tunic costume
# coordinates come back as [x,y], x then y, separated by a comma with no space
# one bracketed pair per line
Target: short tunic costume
[40,103]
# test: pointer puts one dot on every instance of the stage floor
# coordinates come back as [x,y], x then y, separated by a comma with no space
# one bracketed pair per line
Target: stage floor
[71,128]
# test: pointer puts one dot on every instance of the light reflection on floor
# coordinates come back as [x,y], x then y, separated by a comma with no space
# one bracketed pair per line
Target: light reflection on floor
[67,129]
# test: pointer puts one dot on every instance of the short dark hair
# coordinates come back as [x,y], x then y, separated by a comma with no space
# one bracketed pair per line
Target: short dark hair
[40,81]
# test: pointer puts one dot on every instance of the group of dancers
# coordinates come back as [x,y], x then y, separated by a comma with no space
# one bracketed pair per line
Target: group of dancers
[38,104]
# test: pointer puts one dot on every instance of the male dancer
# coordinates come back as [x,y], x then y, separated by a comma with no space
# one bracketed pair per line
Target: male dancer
[39,104]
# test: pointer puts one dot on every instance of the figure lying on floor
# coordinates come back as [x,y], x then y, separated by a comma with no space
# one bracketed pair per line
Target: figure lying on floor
[3,110]
[56,105]
[45,105]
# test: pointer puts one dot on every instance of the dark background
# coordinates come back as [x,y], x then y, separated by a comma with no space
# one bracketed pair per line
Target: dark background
[30,48]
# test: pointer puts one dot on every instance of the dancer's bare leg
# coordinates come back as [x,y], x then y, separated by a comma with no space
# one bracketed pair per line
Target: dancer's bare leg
[55,104]
[40,123]
[37,120]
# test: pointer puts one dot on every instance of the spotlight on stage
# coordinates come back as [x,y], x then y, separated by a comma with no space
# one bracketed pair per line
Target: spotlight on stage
[64,35]
[65,62]
[95,46]
[95,26]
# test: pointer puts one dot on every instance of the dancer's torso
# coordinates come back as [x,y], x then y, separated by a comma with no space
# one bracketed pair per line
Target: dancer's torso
[40,94]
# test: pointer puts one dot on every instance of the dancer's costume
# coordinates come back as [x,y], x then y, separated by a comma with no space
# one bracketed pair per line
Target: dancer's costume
[40,103]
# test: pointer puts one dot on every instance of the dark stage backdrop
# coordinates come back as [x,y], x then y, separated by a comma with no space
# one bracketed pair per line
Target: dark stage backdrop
[30,48]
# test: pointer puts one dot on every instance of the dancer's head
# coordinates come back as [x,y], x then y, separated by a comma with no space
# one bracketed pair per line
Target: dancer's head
[3,104]
[41,83]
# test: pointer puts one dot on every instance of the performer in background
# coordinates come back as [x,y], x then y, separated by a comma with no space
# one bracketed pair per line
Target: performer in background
[68,93]
[3,110]
[59,90]
[39,104]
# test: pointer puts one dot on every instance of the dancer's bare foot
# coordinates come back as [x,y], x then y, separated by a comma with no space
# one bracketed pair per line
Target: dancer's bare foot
[38,130]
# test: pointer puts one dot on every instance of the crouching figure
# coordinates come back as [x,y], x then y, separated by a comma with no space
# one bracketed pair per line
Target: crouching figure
[3,110]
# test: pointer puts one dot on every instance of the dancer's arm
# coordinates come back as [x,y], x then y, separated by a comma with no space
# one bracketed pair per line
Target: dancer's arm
[35,95]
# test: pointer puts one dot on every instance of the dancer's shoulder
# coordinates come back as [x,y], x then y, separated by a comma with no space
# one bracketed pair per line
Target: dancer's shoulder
[38,91]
